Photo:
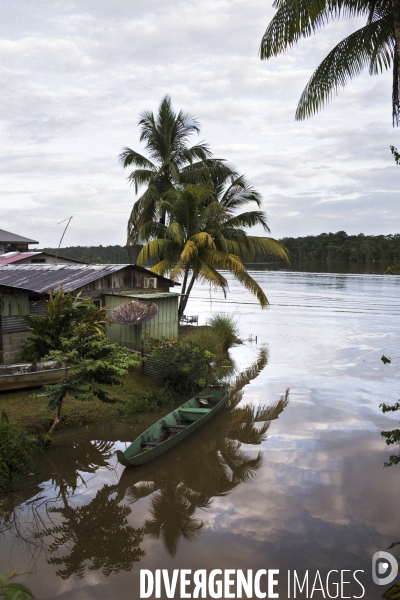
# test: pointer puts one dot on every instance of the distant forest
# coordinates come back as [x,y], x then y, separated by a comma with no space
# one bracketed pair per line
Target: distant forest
[324,247]
[113,255]
[344,248]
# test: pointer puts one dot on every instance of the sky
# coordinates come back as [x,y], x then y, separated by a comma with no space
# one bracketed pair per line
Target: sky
[75,76]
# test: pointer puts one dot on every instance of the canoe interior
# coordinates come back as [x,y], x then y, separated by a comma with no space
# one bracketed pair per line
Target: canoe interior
[174,427]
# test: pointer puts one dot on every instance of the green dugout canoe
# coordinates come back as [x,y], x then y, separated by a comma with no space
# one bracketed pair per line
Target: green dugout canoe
[174,427]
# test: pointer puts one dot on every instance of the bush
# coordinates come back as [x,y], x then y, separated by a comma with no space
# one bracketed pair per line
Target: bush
[16,452]
[185,366]
[226,329]
[149,402]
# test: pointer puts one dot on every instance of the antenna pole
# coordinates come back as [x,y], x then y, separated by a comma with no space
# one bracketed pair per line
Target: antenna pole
[59,245]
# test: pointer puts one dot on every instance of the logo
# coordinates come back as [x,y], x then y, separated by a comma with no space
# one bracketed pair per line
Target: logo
[384,568]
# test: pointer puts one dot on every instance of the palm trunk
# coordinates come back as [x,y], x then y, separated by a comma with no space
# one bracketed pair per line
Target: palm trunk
[396,62]
[185,298]
[184,283]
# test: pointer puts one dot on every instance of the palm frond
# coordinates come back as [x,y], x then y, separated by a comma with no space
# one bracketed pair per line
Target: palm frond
[345,62]
[203,240]
[248,219]
[153,249]
[295,19]
[130,157]
[253,287]
[163,267]
[266,246]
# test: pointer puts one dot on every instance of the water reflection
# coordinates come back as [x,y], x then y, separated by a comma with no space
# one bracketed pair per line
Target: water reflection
[92,534]
[214,466]
[82,524]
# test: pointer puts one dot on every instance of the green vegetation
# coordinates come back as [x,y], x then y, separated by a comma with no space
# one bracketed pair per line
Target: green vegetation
[170,162]
[114,255]
[376,45]
[64,313]
[226,328]
[16,452]
[202,336]
[393,436]
[13,591]
[345,248]
[94,363]
[187,218]
[27,410]
[202,236]
[335,247]
[185,366]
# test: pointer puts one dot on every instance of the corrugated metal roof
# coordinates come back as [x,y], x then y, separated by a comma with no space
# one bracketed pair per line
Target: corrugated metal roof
[15,257]
[6,237]
[12,257]
[41,278]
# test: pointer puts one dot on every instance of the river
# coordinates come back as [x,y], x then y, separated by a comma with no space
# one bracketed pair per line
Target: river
[300,488]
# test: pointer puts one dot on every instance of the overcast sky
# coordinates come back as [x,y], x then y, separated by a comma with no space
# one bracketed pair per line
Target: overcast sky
[76,75]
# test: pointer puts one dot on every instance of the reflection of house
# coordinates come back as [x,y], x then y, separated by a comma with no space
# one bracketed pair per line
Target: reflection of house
[25,289]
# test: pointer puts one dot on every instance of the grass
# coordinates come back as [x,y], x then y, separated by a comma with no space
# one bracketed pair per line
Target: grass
[226,328]
[138,393]
[203,336]
[220,333]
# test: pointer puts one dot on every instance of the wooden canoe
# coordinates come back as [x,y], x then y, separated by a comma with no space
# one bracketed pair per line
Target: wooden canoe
[174,427]
[31,379]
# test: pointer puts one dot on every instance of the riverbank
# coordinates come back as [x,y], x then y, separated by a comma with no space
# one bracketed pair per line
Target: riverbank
[138,394]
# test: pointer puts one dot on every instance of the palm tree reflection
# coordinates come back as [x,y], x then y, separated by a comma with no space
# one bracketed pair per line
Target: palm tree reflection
[96,535]
[213,466]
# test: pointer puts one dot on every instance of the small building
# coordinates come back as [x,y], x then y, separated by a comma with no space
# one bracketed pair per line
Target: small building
[11,242]
[25,289]
[36,258]
[163,325]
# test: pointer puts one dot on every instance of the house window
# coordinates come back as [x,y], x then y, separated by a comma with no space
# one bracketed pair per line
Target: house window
[38,260]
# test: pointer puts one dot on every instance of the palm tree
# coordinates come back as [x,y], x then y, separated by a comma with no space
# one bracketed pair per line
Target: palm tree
[376,45]
[204,234]
[170,161]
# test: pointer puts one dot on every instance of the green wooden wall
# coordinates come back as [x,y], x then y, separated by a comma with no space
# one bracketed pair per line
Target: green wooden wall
[164,324]
[13,305]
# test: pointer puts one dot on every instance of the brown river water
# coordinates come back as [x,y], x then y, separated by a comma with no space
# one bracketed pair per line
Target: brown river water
[268,484]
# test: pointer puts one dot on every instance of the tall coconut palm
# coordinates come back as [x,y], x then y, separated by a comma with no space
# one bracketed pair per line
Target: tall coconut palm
[203,235]
[170,161]
[376,45]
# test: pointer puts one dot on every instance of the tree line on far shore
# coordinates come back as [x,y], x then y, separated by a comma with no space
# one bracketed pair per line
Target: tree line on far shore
[323,247]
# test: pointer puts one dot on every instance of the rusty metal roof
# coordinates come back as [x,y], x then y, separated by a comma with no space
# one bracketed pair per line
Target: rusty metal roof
[44,277]
[6,237]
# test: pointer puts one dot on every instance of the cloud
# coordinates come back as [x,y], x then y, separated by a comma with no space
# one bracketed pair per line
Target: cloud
[75,77]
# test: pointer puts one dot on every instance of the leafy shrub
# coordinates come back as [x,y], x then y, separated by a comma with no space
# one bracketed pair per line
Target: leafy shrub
[185,366]
[63,314]
[150,343]
[226,329]
[16,452]
[151,401]
[94,363]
